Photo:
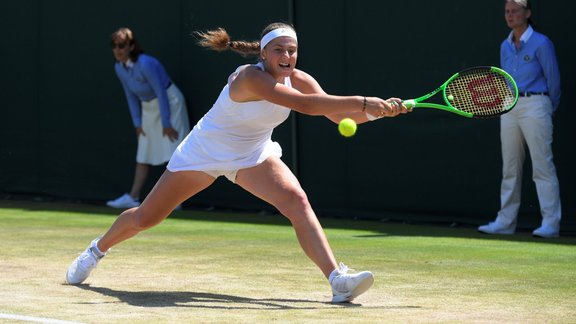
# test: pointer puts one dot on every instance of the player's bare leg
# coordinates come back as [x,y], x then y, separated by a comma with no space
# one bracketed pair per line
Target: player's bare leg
[170,190]
[273,182]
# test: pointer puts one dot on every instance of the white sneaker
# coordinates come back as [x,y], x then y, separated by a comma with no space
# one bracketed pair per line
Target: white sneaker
[124,201]
[84,264]
[546,232]
[496,228]
[346,287]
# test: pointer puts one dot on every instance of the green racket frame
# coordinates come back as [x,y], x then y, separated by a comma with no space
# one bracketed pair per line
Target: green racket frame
[418,102]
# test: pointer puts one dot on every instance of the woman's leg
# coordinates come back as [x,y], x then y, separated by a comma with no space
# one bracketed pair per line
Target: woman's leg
[171,189]
[273,182]
[140,176]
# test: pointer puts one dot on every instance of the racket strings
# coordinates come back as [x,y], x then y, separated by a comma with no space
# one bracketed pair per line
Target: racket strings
[481,92]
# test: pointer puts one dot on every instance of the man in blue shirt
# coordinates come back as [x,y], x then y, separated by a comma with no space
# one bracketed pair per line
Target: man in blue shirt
[530,58]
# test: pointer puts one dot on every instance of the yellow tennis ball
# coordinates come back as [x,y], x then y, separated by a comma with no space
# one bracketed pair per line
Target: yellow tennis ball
[451,97]
[347,127]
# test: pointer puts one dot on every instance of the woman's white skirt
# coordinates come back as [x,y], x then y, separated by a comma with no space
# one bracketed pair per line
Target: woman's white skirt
[154,148]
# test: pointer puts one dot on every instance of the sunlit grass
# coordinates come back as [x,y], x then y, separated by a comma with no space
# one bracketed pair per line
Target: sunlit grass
[231,267]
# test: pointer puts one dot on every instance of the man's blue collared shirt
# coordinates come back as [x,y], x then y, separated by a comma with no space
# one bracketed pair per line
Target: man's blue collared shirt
[533,65]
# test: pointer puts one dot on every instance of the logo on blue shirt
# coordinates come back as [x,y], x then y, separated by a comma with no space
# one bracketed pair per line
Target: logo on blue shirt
[526,58]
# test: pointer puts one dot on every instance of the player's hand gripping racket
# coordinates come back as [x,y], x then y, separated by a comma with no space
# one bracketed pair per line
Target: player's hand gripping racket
[476,92]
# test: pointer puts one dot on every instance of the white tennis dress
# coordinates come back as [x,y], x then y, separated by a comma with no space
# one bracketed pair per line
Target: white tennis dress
[231,135]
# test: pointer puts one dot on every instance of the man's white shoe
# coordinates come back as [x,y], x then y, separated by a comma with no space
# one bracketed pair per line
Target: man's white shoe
[546,232]
[346,287]
[496,228]
[80,269]
[124,201]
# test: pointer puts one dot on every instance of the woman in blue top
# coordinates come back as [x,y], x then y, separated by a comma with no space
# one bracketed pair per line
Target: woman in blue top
[233,139]
[530,58]
[157,108]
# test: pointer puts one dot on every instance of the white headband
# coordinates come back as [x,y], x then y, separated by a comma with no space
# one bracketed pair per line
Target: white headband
[279,32]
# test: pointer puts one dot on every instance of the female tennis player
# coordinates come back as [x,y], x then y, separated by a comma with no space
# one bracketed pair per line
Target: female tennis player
[233,140]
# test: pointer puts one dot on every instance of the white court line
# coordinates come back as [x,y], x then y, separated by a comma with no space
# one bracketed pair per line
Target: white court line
[34,319]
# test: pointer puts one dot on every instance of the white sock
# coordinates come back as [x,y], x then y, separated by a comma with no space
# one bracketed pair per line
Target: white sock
[96,250]
[333,274]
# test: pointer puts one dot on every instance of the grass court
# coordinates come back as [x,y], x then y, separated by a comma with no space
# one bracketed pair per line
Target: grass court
[229,267]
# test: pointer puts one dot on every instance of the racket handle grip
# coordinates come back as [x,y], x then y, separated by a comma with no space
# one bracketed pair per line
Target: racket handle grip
[409,103]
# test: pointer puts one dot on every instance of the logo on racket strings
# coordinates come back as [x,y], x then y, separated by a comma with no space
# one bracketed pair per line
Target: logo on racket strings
[484,92]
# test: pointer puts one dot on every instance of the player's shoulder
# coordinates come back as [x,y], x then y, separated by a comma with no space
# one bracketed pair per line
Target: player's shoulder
[299,75]
[305,82]
[240,70]
[249,68]
[248,71]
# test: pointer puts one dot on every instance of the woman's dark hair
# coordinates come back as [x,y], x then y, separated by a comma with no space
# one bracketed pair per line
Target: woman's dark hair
[125,35]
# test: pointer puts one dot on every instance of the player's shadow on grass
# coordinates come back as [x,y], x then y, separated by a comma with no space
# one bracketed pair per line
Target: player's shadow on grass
[205,300]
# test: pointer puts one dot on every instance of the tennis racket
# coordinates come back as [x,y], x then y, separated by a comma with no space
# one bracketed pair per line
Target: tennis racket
[477,92]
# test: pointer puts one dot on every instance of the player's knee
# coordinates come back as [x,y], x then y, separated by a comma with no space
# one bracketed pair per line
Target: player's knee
[298,199]
[142,221]
[294,204]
